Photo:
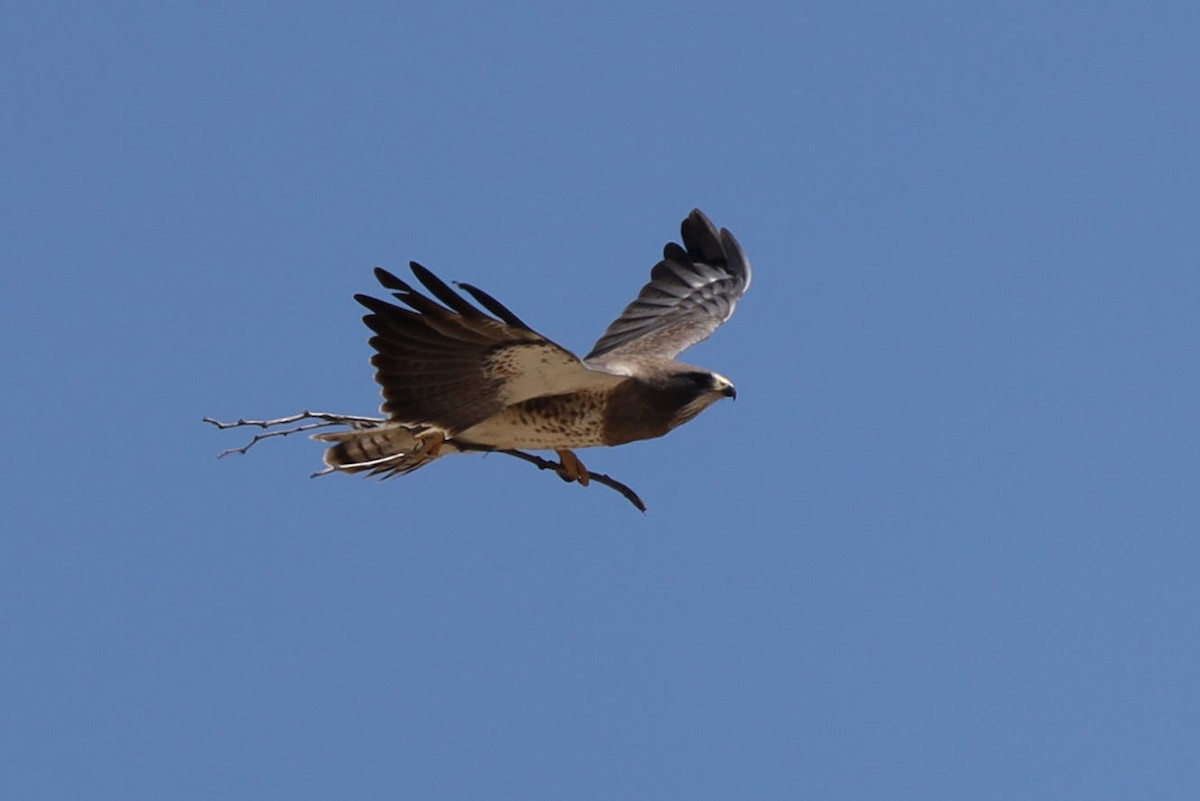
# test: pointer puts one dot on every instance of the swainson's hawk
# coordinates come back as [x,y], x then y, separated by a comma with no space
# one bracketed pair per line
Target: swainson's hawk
[455,378]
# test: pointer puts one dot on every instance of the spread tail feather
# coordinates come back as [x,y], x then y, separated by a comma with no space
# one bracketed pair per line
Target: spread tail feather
[390,448]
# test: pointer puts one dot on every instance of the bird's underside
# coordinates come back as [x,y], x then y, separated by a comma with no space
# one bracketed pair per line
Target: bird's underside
[396,448]
[456,377]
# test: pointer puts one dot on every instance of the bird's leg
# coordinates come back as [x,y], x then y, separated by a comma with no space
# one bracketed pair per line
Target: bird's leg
[572,469]
[430,442]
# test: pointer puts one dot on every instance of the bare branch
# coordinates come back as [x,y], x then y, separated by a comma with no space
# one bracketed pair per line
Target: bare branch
[599,478]
[352,420]
[267,435]
[327,419]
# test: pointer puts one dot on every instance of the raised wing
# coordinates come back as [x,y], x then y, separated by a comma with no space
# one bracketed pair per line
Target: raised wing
[453,366]
[691,292]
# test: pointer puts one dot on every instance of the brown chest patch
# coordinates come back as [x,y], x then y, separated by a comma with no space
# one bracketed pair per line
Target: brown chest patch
[635,411]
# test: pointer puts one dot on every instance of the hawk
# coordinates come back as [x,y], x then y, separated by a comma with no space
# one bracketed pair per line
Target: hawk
[457,378]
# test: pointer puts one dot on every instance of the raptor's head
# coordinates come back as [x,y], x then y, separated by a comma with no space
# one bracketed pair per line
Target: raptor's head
[705,383]
[693,390]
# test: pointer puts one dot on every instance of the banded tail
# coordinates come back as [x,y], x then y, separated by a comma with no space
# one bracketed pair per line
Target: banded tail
[390,448]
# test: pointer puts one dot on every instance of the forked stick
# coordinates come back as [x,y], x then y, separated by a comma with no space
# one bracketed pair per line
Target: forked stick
[327,419]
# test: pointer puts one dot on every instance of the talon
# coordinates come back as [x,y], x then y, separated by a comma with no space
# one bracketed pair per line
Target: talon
[572,469]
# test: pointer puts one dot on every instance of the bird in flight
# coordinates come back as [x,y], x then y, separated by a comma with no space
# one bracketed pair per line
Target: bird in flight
[456,377]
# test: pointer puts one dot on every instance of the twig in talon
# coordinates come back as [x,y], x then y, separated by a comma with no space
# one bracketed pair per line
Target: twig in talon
[599,478]
[624,489]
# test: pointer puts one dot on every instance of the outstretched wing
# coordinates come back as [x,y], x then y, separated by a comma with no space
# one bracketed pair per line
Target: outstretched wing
[452,366]
[691,292]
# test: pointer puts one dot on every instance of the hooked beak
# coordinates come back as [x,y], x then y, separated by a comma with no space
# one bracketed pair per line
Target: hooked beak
[723,385]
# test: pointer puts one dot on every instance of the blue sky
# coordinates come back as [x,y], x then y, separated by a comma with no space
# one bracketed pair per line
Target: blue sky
[944,544]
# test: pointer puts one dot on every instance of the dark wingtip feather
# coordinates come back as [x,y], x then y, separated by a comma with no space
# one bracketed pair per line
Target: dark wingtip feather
[390,281]
[367,300]
[735,257]
[376,305]
[494,306]
[700,237]
[443,292]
